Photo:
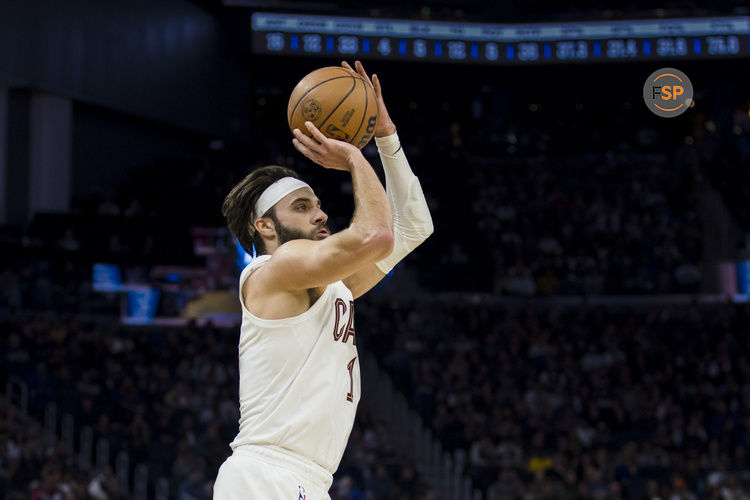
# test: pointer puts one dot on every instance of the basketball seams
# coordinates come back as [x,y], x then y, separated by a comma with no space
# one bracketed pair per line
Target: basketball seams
[340,102]
[299,110]
[364,113]
[302,98]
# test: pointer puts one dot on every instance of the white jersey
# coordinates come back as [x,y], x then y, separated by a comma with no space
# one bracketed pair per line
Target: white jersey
[299,377]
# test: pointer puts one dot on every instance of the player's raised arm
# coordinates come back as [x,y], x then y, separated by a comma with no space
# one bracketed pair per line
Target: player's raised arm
[412,223]
[303,264]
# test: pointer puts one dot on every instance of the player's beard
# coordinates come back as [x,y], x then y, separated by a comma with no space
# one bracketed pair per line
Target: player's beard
[286,233]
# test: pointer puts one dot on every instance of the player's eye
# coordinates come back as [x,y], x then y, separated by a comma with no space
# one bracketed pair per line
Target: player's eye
[300,207]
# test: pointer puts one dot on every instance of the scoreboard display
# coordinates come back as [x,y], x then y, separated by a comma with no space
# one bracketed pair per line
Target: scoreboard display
[507,44]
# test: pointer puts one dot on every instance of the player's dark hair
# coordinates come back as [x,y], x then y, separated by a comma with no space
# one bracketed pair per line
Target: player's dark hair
[240,202]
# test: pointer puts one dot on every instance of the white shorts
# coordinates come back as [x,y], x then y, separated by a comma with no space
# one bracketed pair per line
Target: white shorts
[270,473]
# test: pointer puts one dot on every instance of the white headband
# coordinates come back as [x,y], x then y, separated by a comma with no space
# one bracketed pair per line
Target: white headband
[276,192]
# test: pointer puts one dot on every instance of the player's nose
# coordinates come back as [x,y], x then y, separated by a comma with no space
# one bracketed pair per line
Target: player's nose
[319,217]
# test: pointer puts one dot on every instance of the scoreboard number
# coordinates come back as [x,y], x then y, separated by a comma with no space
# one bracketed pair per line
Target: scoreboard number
[506,44]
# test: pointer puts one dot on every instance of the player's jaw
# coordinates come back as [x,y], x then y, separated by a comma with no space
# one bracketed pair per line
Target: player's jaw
[287,233]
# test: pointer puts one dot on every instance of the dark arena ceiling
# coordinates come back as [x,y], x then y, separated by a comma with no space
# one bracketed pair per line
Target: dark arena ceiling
[489,11]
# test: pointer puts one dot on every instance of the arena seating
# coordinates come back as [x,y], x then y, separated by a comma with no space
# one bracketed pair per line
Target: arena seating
[166,396]
[577,402]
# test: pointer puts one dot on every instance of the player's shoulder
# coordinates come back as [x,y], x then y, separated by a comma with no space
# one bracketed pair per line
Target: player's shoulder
[254,265]
[267,273]
[251,271]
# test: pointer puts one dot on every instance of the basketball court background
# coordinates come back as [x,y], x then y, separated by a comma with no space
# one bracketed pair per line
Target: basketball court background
[575,328]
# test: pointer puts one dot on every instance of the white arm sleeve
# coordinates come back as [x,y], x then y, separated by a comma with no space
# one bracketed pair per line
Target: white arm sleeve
[412,223]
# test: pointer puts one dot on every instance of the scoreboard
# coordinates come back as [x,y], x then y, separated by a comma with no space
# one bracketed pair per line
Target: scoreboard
[507,44]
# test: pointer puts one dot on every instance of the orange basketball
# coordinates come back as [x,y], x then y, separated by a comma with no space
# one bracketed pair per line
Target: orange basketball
[338,101]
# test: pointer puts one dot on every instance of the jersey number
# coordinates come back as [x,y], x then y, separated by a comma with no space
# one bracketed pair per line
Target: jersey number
[350,367]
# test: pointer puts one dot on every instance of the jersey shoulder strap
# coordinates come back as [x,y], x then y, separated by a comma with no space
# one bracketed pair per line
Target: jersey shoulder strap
[253,266]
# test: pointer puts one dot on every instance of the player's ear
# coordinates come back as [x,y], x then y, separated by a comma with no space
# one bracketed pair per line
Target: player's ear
[265,227]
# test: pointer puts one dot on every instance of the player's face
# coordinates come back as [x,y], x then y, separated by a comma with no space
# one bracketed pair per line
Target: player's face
[298,216]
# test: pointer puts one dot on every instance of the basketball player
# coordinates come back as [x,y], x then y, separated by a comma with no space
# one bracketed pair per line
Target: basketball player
[299,367]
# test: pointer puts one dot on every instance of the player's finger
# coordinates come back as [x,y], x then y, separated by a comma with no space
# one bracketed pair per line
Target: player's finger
[309,143]
[346,65]
[362,72]
[376,86]
[317,134]
[305,139]
[304,149]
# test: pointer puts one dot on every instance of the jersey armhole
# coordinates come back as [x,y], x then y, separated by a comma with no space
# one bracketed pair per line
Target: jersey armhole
[249,269]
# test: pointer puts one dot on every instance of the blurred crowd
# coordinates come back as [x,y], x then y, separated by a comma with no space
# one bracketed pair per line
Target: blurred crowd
[554,199]
[583,402]
[619,224]
[531,196]
[166,396]
[722,149]
[537,402]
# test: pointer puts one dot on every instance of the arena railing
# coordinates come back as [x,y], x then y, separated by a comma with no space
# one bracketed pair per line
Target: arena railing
[439,469]
[95,454]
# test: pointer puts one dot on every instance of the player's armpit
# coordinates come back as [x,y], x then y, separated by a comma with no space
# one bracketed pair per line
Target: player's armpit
[363,280]
[303,264]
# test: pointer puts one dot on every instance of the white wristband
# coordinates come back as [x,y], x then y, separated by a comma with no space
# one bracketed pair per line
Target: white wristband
[388,145]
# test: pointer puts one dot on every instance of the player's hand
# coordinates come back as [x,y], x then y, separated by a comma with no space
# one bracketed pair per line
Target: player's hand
[326,152]
[385,125]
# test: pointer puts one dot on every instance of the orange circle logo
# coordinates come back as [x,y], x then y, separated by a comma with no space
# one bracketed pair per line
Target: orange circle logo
[668,92]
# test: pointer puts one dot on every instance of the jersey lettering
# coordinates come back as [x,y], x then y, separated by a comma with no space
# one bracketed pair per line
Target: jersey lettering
[340,307]
[350,325]
[347,330]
